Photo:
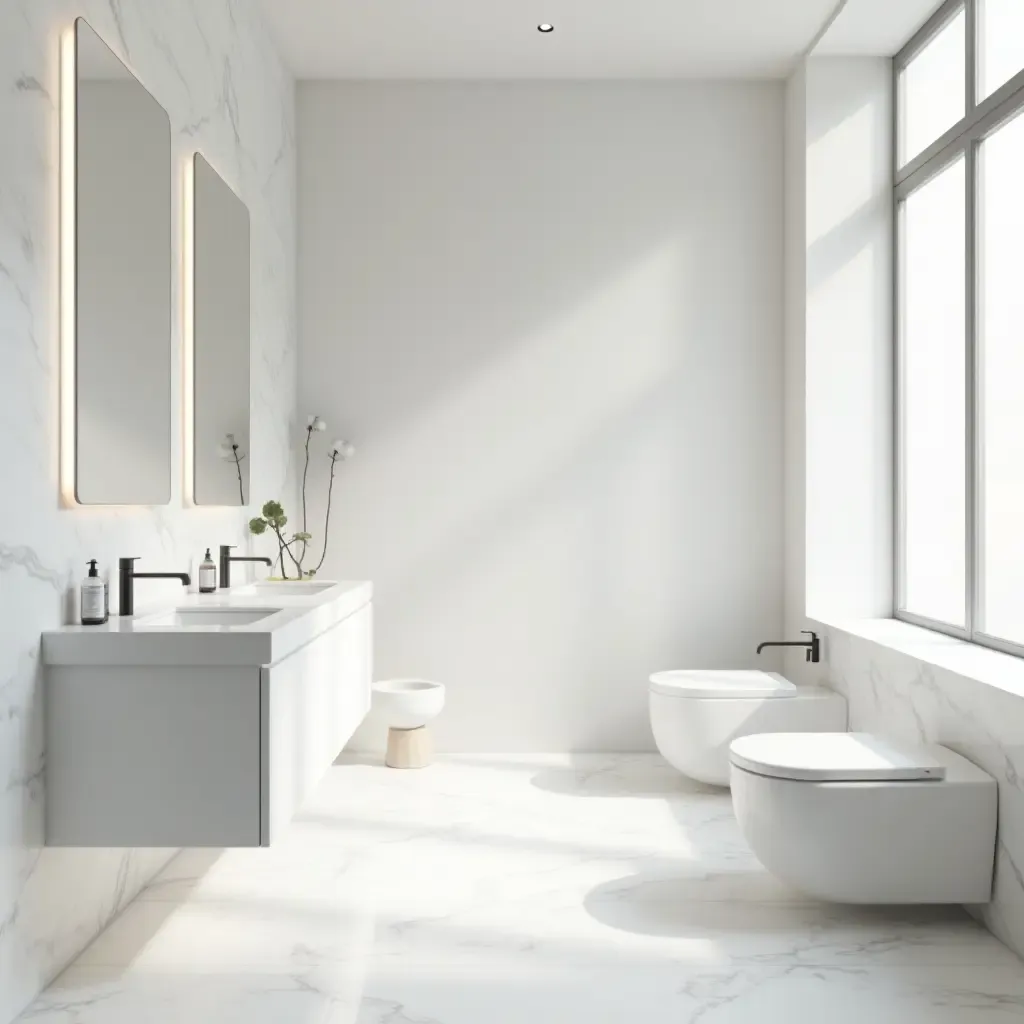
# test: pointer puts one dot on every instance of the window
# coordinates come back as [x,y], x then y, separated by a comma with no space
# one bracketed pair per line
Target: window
[933,88]
[935,494]
[959,191]
[1001,36]
[1001,380]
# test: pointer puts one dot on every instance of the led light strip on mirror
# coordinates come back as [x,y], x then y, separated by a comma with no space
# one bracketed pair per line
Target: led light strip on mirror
[68,242]
[188,326]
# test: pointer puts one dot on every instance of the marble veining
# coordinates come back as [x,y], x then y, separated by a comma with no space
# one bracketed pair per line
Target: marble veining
[213,66]
[893,693]
[600,888]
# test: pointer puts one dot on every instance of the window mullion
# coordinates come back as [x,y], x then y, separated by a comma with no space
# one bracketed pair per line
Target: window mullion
[971,65]
[898,379]
[973,404]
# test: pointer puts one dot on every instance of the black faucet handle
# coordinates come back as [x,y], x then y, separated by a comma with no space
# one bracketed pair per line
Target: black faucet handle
[128,562]
[813,652]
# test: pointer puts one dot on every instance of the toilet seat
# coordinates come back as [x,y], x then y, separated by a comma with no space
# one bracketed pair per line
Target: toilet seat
[874,823]
[728,684]
[834,757]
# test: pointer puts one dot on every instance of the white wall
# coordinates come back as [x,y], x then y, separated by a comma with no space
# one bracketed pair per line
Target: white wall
[795,242]
[838,347]
[550,316]
[848,346]
[214,69]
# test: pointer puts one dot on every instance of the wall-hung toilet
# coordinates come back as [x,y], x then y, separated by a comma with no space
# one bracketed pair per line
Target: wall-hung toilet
[853,818]
[696,714]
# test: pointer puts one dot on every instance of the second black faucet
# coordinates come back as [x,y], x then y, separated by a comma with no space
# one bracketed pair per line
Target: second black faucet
[226,558]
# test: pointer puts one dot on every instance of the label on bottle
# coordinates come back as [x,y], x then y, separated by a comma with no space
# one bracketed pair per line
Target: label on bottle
[207,579]
[92,604]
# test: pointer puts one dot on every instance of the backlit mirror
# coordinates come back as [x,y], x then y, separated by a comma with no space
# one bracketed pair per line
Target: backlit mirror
[219,309]
[116,281]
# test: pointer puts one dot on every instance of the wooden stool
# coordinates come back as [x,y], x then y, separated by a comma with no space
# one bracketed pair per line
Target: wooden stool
[409,748]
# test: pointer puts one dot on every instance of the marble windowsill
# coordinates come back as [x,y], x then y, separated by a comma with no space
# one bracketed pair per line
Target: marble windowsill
[972,661]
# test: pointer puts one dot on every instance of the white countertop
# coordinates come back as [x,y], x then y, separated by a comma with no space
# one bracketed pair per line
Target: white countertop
[299,620]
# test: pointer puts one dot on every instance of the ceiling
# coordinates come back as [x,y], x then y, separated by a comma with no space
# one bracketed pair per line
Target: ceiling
[875,27]
[499,38]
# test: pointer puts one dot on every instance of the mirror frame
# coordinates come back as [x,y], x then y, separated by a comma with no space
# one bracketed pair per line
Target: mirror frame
[68,277]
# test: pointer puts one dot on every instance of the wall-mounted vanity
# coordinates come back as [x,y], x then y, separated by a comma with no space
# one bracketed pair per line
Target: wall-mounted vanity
[207,724]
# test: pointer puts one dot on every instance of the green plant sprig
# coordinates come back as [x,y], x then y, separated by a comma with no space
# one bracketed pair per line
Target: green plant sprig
[275,520]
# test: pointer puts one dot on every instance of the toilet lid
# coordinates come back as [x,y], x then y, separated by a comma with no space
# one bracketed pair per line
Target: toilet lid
[728,683]
[834,757]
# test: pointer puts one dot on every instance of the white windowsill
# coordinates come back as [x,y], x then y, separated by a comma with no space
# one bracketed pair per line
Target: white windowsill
[982,664]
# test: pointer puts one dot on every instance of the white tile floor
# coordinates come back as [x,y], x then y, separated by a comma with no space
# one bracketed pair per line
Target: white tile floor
[534,890]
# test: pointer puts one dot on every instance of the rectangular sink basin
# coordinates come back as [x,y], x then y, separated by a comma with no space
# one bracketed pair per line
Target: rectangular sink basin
[298,588]
[205,618]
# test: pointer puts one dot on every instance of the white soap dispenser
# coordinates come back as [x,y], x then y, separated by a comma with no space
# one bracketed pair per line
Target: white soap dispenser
[207,575]
[93,598]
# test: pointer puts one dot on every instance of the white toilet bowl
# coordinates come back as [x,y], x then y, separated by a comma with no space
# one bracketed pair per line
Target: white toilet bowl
[407,705]
[853,818]
[696,714]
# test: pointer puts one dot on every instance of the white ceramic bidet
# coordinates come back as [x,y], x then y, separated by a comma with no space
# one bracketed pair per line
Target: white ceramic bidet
[696,714]
[407,705]
[854,818]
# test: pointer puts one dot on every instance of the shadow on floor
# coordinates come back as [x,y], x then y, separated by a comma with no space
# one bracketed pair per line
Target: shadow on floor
[682,907]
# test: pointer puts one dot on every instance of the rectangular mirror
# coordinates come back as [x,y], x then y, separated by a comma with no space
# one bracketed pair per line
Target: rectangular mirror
[217,342]
[115,281]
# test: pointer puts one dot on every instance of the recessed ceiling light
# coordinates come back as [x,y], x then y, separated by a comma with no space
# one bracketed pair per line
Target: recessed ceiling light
[545,28]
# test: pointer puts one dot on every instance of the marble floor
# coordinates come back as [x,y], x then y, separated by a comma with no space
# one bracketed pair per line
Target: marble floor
[520,890]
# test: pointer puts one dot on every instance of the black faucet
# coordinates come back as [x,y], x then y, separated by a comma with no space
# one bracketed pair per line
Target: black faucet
[226,558]
[127,577]
[813,645]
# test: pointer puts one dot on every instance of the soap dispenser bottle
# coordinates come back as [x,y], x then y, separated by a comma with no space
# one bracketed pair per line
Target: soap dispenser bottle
[93,598]
[207,575]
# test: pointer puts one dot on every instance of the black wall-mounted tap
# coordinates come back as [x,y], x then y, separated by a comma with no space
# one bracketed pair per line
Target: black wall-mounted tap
[813,646]
[226,558]
[127,576]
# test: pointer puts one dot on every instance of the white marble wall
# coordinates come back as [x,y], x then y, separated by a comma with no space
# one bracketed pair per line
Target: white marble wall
[213,66]
[895,694]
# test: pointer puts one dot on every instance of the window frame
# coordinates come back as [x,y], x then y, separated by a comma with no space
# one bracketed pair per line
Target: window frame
[965,138]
